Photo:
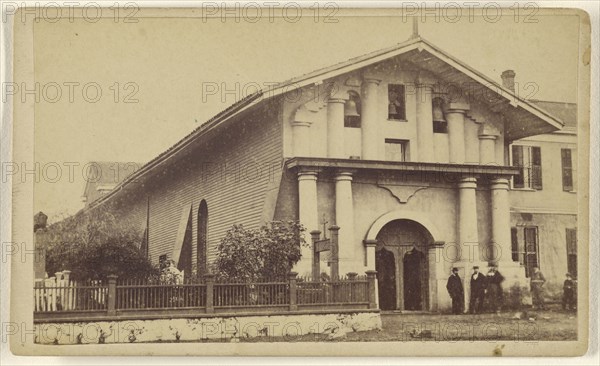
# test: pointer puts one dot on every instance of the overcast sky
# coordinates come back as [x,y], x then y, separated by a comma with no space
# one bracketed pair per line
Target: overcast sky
[168,60]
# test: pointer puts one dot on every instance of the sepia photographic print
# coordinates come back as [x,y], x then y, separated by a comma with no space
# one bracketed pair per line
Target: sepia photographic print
[297,179]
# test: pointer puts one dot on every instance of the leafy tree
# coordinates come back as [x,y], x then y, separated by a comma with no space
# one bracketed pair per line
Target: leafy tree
[266,253]
[94,244]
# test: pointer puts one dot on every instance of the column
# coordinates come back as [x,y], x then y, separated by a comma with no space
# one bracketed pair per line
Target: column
[369,121]
[335,128]
[467,214]
[308,216]
[424,124]
[467,229]
[301,138]
[487,149]
[456,134]
[344,218]
[501,250]
[501,243]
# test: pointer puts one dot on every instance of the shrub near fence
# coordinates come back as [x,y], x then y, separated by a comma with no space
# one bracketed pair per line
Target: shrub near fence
[118,298]
[60,293]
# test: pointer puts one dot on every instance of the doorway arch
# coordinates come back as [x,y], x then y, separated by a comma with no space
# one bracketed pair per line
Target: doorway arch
[407,241]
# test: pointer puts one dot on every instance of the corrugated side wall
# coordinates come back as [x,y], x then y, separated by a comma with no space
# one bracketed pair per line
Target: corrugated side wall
[233,173]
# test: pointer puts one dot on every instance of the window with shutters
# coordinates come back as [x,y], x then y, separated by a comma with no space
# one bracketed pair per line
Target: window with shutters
[567,169]
[514,244]
[529,160]
[572,251]
[396,102]
[531,249]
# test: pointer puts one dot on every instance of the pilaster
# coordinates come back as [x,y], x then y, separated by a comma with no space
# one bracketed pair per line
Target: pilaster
[335,128]
[369,121]
[344,218]
[307,215]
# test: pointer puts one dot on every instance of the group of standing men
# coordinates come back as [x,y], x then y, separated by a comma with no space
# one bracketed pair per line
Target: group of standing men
[481,285]
[489,287]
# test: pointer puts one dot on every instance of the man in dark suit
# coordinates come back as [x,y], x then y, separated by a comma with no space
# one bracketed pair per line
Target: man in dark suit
[478,284]
[455,289]
[537,282]
[495,295]
[569,287]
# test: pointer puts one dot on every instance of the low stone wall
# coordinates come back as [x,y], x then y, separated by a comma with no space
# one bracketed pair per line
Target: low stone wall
[217,328]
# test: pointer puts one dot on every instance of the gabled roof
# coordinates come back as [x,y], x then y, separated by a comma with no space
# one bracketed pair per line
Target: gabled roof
[524,118]
[105,175]
[567,112]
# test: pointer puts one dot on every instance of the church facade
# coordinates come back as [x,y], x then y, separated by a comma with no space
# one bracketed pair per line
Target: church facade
[406,150]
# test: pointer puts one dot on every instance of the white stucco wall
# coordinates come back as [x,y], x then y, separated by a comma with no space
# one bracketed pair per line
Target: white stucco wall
[389,72]
[205,329]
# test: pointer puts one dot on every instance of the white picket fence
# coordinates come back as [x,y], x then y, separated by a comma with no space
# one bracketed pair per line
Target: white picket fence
[60,293]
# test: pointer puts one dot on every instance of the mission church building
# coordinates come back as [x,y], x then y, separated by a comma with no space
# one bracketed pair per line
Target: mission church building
[406,150]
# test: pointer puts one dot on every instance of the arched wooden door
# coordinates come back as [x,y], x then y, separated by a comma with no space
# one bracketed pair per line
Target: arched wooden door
[407,242]
[415,280]
[385,265]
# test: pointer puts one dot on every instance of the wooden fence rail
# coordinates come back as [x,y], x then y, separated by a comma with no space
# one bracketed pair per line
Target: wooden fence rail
[151,296]
[256,294]
[112,297]
[67,295]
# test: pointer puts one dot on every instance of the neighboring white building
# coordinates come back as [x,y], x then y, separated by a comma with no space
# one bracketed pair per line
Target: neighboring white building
[544,199]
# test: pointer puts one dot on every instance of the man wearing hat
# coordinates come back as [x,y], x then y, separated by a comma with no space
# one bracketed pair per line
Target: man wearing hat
[536,284]
[568,300]
[455,289]
[478,284]
[495,295]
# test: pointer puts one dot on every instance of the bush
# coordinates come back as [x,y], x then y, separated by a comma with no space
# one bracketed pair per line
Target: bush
[266,253]
[94,244]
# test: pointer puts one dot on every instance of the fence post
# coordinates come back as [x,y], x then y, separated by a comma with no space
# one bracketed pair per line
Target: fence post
[58,292]
[352,278]
[112,295]
[335,261]
[209,279]
[293,291]
[371,280]
[315,235]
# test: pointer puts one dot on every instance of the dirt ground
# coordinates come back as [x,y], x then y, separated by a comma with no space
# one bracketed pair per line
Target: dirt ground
[553,324]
